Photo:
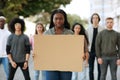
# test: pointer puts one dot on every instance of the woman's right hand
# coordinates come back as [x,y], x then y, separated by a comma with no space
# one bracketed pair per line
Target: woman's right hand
[32,54]
[84,57]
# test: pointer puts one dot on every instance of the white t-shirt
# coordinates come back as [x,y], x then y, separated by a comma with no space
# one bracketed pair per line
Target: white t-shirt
[3,40]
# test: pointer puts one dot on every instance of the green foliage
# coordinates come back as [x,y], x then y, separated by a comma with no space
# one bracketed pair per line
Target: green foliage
[76,19]
[15,8]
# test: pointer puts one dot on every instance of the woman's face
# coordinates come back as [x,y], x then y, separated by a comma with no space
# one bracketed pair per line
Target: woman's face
[39,28]
[77,29]
[17,27]
[58,20]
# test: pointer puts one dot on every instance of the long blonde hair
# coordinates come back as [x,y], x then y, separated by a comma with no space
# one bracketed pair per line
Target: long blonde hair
[36,27]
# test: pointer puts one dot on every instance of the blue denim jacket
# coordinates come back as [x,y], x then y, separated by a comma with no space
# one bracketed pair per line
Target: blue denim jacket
[52,31]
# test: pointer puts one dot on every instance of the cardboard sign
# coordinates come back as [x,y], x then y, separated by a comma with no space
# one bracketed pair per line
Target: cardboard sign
[58,52]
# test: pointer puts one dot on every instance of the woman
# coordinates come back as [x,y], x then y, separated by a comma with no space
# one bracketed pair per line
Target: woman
[38,31]
[58,26]
[78,29]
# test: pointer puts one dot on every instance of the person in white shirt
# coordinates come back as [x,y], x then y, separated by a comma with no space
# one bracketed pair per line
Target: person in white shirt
[4,33]
[92,32]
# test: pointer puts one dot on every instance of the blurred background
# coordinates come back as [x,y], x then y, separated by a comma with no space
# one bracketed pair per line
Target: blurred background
[33,11]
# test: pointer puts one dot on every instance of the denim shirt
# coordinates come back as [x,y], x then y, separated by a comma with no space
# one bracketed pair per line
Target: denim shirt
[52,31]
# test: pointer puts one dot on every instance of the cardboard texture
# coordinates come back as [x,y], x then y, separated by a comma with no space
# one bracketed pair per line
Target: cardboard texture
[58,52]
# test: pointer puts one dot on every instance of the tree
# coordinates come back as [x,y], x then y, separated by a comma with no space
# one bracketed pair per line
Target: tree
[77,19]
[14,8]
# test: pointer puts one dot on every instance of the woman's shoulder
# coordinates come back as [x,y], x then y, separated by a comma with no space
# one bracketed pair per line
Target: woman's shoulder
[68,31]
[49,31]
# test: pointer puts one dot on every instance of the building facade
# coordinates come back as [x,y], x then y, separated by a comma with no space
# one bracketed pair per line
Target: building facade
[107,8]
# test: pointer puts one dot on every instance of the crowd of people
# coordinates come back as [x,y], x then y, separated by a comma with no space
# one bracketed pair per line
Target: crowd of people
[100,43]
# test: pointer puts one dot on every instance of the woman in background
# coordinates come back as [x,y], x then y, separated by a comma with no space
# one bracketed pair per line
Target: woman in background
[38,31]
[78,29]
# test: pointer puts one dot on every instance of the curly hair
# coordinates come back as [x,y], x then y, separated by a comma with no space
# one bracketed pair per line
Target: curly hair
[14,21]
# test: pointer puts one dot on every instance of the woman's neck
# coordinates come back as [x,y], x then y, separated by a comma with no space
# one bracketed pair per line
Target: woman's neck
[40,33]
[76,33]
[59,30]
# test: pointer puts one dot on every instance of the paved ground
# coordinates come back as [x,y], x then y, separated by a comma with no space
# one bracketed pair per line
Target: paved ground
[19,75]
[108,77]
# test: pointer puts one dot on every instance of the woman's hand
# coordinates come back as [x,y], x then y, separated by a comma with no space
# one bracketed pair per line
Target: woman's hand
[83,56]
[32,53]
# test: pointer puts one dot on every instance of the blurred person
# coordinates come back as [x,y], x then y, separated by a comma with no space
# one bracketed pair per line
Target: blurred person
[92,31]
[3,41]
[38,31]
[58,26]
[78,29]
[108,50]
[18,49]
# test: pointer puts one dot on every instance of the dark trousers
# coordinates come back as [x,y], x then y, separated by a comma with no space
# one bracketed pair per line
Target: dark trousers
[13,70]
[91,67]
[111,62]
[58,75]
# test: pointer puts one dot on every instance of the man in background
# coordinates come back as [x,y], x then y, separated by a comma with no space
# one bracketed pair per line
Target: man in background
[3,40]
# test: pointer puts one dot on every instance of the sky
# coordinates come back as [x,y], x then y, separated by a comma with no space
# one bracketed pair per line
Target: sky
[78,7]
